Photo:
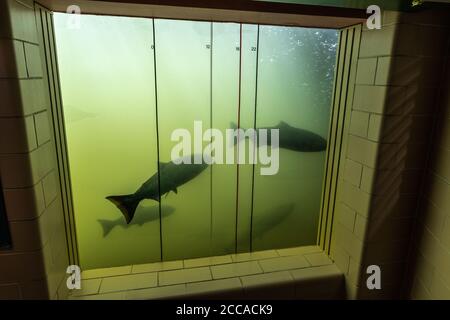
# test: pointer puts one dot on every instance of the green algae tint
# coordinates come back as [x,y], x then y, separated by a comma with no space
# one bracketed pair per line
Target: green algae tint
[119,122]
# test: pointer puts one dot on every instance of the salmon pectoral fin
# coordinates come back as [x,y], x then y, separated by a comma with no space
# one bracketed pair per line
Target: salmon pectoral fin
[174,190]
[127,204]
[107,226]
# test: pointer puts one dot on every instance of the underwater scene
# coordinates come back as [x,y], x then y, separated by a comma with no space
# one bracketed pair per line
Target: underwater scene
[129,85]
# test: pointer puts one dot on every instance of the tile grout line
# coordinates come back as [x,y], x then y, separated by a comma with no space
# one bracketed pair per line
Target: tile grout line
[289,271]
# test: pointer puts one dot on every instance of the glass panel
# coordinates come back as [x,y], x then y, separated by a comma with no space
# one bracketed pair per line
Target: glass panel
[295,79]
[247,120]
[183,50]
[107,83]
[225,91]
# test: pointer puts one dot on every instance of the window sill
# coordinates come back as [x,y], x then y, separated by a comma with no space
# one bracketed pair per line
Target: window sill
[293,273]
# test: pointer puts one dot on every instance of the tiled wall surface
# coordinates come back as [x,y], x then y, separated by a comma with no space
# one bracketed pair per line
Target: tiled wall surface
[35,267]
[431,254]
[387,146]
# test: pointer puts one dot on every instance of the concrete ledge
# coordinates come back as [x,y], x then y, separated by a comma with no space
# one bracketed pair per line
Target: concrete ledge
[293,273]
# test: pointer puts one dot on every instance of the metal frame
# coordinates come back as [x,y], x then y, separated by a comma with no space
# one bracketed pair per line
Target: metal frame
[345,74]
[344,83]
[44,23]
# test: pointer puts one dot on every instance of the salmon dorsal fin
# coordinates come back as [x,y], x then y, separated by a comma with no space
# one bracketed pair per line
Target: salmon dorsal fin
[282,124]
[163,164]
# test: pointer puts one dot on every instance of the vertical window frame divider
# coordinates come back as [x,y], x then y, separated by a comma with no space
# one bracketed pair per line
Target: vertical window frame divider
[256,132]
[46,38]
[157,140]
[211,126]
[238,126]
[344,83]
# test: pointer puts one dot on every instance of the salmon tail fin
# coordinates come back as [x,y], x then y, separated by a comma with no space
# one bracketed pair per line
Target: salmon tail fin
[107,226]
[127,204]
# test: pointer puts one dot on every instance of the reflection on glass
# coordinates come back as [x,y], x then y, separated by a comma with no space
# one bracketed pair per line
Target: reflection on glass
[107,81]
[295,77]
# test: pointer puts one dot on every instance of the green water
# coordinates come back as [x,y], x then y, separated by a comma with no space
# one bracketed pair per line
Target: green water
[114,115]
